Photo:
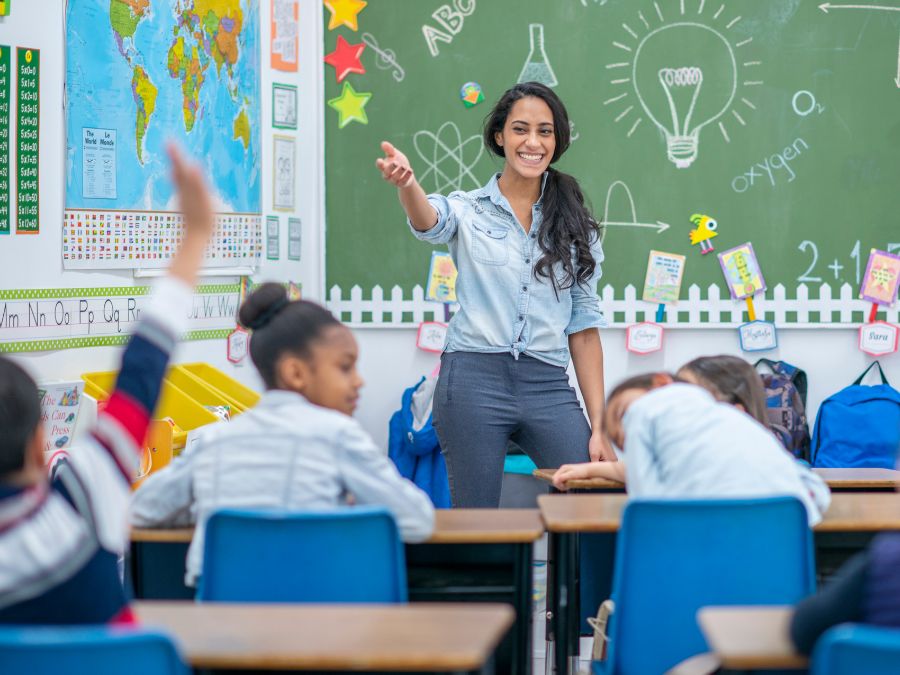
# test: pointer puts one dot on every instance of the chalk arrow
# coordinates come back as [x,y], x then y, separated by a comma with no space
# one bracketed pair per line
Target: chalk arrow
[659,226]
[825,6]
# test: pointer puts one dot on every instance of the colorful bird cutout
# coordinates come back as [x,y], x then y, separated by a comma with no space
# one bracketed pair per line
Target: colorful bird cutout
[345,58]
[705,230]
[343,13]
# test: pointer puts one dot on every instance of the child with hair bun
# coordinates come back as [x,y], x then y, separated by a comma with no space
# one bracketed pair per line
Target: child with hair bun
[298,448]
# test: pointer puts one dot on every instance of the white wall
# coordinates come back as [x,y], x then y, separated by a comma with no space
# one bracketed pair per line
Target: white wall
[36,261]
[390,361]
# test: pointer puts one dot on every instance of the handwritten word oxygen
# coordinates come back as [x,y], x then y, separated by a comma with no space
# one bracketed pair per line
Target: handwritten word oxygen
[451,18]
[768,169]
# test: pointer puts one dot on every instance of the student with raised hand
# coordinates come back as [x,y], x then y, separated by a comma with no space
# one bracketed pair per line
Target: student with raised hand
[299,448]
[60,540]
[528,254]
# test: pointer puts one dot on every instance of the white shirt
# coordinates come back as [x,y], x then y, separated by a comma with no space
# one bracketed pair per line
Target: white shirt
[681,442]
[285,453]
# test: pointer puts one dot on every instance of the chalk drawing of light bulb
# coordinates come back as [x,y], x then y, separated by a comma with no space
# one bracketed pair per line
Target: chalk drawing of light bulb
[537,66]
[685,77]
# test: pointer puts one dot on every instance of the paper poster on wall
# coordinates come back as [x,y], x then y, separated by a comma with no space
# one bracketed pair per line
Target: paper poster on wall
[59,412]
[28,114]
[879,284]
[663,281]
[284,106]
[273,240]
[283,174]
[285,33]
[441,278]
[644,338]
[742,272]
[99,163]
[294,234]
[5,76]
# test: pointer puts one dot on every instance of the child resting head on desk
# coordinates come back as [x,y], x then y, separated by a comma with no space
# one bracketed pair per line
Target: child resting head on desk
[60,539]
[299,448]
[681,442]
[729,379]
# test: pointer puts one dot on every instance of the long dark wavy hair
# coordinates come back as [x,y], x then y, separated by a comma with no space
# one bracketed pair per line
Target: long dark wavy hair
[568,223]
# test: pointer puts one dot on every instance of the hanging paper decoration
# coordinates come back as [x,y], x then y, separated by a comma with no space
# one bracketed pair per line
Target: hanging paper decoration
[344,13]
[350,106]
[878,338]
[744,278]
[644,338]
[431,336]
[662,284]
[441,278]
[471,94]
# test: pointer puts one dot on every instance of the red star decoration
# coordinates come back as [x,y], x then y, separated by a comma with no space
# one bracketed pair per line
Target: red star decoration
[345,58]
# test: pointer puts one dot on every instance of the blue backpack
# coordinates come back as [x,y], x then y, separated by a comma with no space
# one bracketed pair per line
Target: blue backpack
[859,426]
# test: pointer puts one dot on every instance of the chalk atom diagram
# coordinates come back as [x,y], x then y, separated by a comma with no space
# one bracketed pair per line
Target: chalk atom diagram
[685,72]
[449,158]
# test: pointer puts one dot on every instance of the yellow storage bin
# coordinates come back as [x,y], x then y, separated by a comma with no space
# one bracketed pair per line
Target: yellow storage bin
[228,386]
[187,413]
[200,391]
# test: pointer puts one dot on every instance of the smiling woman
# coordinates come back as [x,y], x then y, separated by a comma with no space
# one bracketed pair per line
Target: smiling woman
[528,253]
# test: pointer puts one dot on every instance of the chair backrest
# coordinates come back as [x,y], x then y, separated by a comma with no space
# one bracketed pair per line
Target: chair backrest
[850,649]
[675,556]
[80,650]
[350,554]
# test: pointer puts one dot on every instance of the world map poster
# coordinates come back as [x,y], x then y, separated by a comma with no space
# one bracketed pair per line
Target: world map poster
[142,73]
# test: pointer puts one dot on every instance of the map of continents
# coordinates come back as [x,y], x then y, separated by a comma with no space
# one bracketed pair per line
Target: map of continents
[160,70]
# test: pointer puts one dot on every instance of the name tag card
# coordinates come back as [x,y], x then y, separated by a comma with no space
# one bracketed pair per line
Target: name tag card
[644,338]
[432,336]
[878,338]
[758,336]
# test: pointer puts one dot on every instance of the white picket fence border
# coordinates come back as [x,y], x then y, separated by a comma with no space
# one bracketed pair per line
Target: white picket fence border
[628,309]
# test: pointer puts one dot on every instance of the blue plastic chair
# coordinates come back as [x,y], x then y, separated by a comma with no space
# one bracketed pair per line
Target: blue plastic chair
[87,651]
[851,648]
[351,554]
[675,556]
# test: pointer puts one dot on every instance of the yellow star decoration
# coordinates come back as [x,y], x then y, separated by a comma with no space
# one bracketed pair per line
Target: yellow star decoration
[350,106]
[343,12]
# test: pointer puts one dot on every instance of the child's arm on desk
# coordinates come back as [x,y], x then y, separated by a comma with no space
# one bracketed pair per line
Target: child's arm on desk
[609,470]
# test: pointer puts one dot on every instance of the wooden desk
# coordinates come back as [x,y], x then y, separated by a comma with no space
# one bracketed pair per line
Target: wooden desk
[474,555]
[849,524]
[596,484]
[861,479]
[751,638]
[417,638]
[857,480]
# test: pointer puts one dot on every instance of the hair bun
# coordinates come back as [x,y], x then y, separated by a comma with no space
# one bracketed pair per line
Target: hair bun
[262,305]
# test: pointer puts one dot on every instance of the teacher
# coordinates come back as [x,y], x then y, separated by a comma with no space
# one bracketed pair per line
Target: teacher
[528,254]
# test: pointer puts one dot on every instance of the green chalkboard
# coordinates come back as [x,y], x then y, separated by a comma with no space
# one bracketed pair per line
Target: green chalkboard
[798,111]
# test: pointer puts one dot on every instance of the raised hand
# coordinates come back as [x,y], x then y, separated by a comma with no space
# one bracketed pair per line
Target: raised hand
[195,204]
[395,166]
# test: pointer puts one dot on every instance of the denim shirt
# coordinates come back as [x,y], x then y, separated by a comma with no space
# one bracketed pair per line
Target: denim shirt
[503,306]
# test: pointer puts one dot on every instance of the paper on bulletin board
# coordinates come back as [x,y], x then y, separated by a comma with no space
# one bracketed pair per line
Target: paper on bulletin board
[285,33]
[273,238]
[59,413]
[441,278]
[284,106]
[664,274]
[283,183]
[294,238]
[881,279]
[742,272]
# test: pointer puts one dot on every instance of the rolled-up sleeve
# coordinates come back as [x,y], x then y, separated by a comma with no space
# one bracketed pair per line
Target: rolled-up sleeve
[447,224]
[585,301]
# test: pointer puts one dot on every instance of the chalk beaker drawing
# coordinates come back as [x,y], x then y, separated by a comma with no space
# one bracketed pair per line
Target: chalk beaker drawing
[537,66]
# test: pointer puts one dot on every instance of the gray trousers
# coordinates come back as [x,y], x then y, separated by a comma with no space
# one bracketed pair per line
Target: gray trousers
[483,400]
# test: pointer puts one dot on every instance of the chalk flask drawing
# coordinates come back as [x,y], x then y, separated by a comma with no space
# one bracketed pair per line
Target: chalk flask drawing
[537,66]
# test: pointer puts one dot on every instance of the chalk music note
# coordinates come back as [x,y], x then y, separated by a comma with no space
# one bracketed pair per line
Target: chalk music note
[387,59]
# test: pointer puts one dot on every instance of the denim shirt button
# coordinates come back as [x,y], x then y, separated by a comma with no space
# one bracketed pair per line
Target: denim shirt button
[527,261]
[524,288]
[521,317]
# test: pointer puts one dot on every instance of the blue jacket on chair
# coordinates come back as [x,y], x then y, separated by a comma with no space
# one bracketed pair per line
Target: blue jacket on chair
[413,446]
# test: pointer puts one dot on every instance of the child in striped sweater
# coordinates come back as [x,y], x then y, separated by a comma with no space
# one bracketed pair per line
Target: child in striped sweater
[60,539]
